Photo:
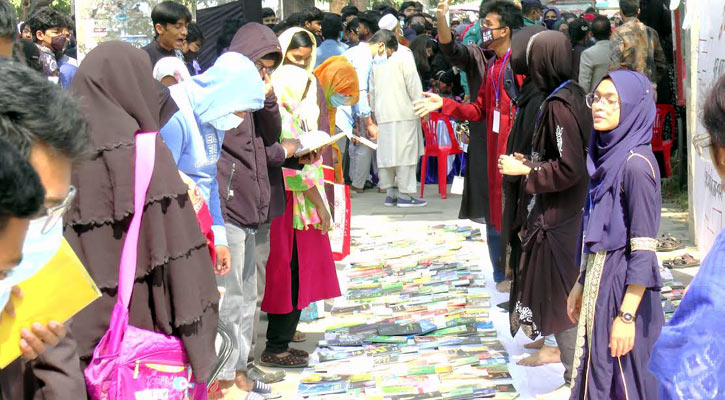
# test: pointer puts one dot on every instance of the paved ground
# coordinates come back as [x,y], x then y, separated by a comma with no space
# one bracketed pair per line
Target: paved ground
[368,210]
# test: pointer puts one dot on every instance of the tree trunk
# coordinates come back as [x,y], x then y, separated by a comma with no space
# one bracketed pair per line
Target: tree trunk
[290,7]
[337,5]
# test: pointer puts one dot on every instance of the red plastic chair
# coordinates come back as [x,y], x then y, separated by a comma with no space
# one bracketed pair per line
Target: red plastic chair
[658,144]
[434,149]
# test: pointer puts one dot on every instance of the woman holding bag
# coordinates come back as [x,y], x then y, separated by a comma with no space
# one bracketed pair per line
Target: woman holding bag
[300,268]
[174,291]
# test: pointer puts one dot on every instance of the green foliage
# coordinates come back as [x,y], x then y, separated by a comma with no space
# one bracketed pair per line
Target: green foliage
[671,189]
[63,6]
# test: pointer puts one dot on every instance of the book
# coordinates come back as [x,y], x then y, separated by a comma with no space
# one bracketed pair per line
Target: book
[314,140]
[56,292]
[318,389]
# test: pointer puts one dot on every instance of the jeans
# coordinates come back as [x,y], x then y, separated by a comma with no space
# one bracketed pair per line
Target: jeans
[240,298]
[262,254]
[493,239]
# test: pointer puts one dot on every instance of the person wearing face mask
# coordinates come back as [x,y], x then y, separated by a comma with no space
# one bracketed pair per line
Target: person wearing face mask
[616,300]
[192,46]
[47,26]
[300,269]
[210,104]
[339,82]
[394,85]
[49,132]
[532,10]
[551,16]
[489,75]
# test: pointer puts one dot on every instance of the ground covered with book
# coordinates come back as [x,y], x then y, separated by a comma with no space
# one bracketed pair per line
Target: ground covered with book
[413,323]
[418,320]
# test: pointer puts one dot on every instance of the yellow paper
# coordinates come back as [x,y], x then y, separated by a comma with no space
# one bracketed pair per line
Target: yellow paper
[55,293]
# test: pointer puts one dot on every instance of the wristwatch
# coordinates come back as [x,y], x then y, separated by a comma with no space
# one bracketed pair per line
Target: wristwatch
[626,317]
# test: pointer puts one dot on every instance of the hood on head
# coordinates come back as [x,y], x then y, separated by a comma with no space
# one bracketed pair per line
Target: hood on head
[254,41]
[231,85]
[285,39]
[519,43]
[549,59]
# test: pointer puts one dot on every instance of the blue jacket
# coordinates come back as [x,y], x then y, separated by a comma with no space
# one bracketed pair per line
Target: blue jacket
[231,85]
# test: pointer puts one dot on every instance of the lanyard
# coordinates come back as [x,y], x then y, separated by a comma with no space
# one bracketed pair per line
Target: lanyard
[497,83]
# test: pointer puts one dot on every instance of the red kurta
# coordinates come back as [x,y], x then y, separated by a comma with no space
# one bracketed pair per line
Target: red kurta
[483,108]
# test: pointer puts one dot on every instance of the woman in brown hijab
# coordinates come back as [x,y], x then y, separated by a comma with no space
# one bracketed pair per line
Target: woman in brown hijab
[175,292]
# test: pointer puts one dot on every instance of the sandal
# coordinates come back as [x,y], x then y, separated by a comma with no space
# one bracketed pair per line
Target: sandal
[299,337]
[683,261]
[288,361]
[669,243]
[298,353]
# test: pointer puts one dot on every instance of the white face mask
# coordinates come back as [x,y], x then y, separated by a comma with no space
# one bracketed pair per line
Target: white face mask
[38,249]
[380,59]
[227,122]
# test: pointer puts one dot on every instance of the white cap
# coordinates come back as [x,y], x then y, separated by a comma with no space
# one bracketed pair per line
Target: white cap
[388,22]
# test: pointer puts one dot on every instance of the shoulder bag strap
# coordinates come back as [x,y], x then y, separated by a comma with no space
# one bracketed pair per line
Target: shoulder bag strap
[145,158]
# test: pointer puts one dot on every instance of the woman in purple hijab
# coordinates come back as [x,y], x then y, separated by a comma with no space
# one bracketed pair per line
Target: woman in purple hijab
[616,300]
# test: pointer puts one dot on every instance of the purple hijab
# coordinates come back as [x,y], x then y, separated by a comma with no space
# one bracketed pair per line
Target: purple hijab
[604,226]
[550,23]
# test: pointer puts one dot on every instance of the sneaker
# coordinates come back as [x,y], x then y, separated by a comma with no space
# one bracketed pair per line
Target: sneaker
[265,390]
[411,203]
[390,201]
[257,374]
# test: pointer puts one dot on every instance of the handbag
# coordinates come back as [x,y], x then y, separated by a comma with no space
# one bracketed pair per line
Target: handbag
[129,362]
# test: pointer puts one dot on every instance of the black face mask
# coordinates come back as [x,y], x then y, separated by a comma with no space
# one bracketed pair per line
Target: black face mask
[57,44]
[271,26]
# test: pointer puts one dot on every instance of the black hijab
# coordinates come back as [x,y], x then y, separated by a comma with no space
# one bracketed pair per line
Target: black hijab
[549,60]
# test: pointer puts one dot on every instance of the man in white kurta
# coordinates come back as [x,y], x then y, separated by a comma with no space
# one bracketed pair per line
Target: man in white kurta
[394,84]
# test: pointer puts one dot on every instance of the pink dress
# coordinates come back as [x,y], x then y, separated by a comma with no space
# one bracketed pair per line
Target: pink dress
[317,273]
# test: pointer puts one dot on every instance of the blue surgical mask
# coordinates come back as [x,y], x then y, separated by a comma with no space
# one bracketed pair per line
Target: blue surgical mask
[38,249]
[227,122]
[339,99]
[380,59]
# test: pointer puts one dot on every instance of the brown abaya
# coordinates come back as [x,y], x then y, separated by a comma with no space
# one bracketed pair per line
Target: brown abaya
[175,292]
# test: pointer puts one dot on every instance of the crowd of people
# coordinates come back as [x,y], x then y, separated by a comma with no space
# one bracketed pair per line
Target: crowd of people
[235,218]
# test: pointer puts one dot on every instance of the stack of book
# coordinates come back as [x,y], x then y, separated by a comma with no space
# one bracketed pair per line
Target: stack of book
[413,322]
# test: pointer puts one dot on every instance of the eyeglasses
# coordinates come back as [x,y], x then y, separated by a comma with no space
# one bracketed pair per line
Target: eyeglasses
[261,67]
[593,98]
[56,213]
[702,145]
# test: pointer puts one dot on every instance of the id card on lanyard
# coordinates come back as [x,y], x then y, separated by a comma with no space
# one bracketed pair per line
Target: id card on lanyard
[496,123]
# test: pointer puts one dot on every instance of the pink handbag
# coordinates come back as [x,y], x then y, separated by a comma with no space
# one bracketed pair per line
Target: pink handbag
[132,363]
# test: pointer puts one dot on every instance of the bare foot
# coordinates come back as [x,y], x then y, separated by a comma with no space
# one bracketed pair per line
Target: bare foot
[547,355]
[504,287]
[535,345]
[243,382]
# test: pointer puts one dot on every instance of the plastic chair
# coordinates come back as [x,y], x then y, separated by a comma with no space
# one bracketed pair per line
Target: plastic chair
[435,149]
[658,144]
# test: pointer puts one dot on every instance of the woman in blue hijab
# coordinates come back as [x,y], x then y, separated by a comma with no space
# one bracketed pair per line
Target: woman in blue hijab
[689,357]
[616,300]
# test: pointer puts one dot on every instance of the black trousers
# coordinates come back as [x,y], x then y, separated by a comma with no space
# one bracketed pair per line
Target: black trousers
[281,328]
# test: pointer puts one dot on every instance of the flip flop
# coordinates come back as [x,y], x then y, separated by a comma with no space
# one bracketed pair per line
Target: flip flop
[667,242]
[299,337]
[684,261]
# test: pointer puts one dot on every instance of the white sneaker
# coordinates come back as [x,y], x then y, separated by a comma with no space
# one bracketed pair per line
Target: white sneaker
[563,392]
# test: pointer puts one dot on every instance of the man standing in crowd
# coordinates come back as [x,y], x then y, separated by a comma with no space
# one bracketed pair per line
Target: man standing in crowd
[170,20]
[8,29]
[269,18]
[49,131]
[635,46]
[579,33]
[351,33]
[532,10]
[394,85]
[408,8]
[312,19]
[487,67]
[331,46]
[368,25]
[348,13]
[47,26]
[594,62]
